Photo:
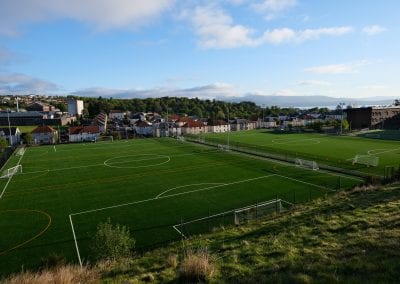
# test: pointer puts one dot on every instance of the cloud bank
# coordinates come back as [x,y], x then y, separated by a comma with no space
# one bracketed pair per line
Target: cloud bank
[101,14]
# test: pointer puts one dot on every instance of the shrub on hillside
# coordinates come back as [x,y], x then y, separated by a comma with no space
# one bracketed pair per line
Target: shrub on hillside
[112,242]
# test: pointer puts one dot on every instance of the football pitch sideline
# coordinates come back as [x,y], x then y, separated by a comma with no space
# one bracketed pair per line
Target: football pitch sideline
[63,192]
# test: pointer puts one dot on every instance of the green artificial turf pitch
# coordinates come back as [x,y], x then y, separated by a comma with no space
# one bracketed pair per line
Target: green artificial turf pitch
[148,185]
[327,149]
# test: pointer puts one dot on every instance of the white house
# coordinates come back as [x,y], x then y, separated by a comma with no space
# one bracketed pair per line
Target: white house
[44,135]
[144,128]
[218,126]
[117,115]
[12,139]
[75,107]
[83,133]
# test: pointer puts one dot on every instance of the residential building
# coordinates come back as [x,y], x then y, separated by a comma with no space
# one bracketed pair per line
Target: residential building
[242,124]
[83,133]
[117,115]
[101,121]
[14,137]
[41,107]
[374,117]
[218,126]
[21,118]
[75,107]
[194,127]
[143,127]
[44,135]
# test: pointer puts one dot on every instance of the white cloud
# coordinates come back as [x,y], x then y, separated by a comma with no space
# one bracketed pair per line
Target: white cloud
[272,8]
[24,84]
[343,68]
[375,87]
[102,14]
[314,83]
[216,29]
[373,30]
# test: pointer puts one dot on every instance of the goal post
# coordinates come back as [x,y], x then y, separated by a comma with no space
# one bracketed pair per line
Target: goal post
[253,212]
[11,171]
[306,164]
[223,147]
[368,160]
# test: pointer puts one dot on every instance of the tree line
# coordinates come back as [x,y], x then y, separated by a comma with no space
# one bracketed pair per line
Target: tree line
[212,109]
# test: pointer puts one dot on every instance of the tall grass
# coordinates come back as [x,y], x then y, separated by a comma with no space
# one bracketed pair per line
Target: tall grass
[61,275]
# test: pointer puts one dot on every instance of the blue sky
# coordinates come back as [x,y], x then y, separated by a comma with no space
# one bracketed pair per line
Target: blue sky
[203,48]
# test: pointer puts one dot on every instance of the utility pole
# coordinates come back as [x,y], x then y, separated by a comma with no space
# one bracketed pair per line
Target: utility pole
[342,104]
[229,130]
[9,126]
[263,118]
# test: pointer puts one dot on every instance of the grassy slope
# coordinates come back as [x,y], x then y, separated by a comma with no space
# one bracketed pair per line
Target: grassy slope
[351,237]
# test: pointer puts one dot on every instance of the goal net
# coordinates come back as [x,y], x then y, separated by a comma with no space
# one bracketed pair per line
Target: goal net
[223,147]
[11,171]
[231,217]
[20,151]
[256,211]
[367,160]
[306,164]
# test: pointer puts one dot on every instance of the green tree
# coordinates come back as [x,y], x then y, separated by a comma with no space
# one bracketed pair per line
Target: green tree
[28,138]
[112,242]
[3,144]
[220,115]
[346,124]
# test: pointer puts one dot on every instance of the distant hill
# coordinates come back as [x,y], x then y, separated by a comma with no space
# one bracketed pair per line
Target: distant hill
[309,101]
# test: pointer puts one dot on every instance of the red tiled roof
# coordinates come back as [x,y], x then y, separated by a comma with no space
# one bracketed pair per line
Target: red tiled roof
[43,129]
[193,123]
[83,129]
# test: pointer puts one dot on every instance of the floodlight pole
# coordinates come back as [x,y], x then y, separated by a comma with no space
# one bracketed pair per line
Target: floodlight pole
[9,126]
[229,130]
[262,119]
[341,121]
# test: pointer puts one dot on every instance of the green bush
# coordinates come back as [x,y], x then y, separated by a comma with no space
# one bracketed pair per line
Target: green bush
[112,242]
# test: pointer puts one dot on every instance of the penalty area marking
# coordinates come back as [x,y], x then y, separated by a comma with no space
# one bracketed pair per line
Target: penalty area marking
[35,236]
[148,200]
[169,196]
[109,163]
[194,184]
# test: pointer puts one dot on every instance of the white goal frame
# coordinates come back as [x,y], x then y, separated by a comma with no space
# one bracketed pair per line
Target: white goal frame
[306,164]
[11,171]
[223,147]
[368,160]
[253,212]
